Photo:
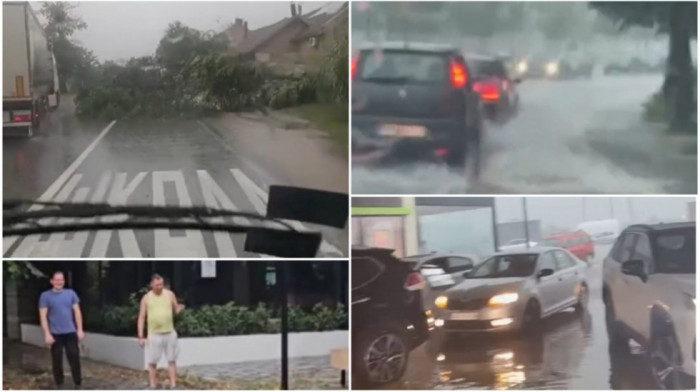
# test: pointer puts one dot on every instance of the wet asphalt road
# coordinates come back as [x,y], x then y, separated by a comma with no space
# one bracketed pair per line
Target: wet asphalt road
[570,136]
[156,162]
[571,353]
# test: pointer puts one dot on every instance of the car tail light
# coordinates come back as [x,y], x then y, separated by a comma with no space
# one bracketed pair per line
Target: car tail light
[489,91]
[22,116]
[414,282]
[353,66]
[458,74]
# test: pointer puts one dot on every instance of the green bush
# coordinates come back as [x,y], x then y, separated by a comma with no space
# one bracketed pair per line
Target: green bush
[227,319]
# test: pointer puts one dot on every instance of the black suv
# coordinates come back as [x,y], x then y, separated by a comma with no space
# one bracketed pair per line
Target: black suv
[413,100]
[388,319]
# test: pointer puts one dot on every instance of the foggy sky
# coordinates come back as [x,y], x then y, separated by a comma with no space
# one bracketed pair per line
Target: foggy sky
[568,211]
[121,30]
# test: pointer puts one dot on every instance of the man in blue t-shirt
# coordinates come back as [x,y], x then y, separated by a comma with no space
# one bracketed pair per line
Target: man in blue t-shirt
[62,322]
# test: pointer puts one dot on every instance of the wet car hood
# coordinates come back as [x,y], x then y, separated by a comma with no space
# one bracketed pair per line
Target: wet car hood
[479,288]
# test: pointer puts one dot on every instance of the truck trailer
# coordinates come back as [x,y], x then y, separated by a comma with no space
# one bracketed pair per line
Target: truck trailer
[29,72]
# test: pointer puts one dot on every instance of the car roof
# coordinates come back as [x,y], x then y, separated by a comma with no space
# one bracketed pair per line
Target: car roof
[566,235]
[410,45]
[661,226]
[482,57]
[536,250]
[435,255]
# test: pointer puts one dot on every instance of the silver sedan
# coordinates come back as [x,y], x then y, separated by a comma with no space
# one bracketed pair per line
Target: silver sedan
[513,291]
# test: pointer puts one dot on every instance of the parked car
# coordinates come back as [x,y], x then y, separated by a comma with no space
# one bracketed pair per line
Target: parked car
[441,271]
[496,87]
[514,290]
[388,318]
[414,101]
[649,296]
[603,231]
[517,243]
[578,243]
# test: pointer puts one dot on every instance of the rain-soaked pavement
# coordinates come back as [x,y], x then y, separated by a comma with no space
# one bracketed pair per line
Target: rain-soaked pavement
[572,136]
[571,352]
[183,161]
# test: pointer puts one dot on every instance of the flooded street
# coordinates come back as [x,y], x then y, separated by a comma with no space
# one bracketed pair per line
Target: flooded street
[570,352]
[170,162]
[569,136]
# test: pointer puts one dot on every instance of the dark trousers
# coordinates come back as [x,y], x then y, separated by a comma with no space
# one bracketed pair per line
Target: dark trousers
[69,341]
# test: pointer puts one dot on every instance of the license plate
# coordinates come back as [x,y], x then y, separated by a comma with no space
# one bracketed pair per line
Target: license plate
[464,316]
[5,116]
[403,130]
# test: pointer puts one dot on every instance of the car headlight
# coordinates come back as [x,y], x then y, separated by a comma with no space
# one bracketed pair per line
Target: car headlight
[441,302]
[503,299]
[521,67]
[552,68]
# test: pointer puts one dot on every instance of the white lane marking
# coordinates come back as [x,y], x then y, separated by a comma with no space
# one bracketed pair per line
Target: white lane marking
[118,195]
[258,197]
[31,245]
[53,189]
[215,197]
[192,244]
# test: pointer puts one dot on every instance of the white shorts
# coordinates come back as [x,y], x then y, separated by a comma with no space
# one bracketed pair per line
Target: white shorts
[160,344]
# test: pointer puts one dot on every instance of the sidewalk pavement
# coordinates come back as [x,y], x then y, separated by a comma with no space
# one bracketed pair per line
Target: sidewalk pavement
[29,367]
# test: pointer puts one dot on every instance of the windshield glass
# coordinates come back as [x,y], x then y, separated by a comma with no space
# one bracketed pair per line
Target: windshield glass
[505,266]
[675,252]
[487,68]
[406,67]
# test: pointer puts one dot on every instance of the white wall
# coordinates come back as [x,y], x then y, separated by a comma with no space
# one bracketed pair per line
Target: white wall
[125,351]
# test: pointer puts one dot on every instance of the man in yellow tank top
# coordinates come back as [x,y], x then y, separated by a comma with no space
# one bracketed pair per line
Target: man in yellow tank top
[158,308]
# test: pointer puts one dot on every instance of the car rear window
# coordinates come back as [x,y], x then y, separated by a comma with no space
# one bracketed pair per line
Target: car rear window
[402,67]
[491,68]
[675,252]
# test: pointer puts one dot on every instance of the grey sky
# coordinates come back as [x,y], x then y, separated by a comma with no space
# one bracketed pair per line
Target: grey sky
[121,30]
[568,211]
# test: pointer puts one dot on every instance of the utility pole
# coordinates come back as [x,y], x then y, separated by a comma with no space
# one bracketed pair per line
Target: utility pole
[527,228]
[284,290]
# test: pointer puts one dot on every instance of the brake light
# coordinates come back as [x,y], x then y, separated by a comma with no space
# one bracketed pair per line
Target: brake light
[489,91]
[22,118]
[414,282]
[353,66]
[458,74]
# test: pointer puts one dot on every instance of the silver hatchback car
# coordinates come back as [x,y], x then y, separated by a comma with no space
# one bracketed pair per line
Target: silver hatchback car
[513,291]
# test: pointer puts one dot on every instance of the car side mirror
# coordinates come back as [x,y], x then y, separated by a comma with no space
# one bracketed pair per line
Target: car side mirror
[545,272]
[634,268]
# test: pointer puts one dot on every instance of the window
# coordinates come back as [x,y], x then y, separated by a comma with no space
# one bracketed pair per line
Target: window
[547,261]
[403,66]
[457,264]
[675,252]
[364,270]
[642,251]
[564,260]
[623,247]
[505,266]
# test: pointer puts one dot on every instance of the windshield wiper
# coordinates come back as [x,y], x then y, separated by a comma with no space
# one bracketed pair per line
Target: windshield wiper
[268,234]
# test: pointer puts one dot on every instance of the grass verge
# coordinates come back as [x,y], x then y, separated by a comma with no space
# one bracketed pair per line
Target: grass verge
[329,118]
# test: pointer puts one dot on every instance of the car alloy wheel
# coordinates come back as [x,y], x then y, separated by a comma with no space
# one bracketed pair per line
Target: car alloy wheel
[665,362]
[385,358]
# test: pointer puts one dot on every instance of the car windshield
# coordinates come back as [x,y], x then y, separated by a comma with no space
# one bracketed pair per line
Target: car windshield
[505,266]
[402,66]
[675,252]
